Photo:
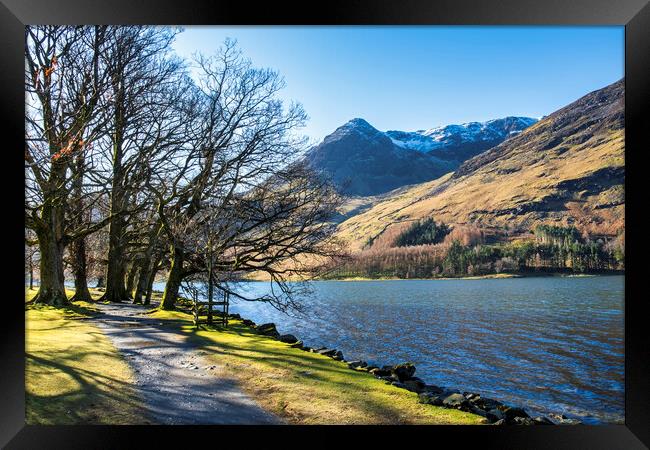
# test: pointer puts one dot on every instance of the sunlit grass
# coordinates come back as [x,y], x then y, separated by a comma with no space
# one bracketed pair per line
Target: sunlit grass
[73,374]
[308,388]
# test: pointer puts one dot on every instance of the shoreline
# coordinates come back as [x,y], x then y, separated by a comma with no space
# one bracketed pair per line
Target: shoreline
[474,277]
[571,415]
[401,375]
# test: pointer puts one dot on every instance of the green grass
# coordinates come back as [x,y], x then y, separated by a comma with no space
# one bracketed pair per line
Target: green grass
[307,388]
[73,374]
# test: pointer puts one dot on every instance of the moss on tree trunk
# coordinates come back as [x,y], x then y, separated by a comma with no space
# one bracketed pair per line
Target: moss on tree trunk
[78,252]
[52,289]
[174,280]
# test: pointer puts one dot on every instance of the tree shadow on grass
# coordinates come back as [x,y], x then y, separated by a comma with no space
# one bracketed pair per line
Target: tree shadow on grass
[297,385]
[89,396]
[71,381]
[282,371]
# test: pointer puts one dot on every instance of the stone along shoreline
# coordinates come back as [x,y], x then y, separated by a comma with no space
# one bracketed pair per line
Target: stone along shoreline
[403,376]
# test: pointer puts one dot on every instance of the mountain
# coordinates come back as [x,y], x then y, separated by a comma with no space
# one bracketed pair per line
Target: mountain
[461,142]
[362,160]
[365,161]
[566,169]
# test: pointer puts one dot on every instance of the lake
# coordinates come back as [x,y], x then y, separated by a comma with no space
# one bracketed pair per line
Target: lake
[548,344]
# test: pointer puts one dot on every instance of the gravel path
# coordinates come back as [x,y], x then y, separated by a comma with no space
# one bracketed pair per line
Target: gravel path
[177,383]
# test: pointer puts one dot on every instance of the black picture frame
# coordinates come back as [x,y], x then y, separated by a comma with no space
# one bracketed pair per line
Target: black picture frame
[633,14]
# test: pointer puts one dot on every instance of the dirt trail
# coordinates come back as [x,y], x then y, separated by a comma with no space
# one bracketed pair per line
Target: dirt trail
[177,383]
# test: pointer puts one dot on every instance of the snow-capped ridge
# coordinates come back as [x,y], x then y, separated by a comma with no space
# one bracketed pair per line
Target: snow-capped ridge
[457,134]
[356,126]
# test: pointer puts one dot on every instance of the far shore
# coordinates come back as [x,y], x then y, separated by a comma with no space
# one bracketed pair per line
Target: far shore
[474,277]
[477,277]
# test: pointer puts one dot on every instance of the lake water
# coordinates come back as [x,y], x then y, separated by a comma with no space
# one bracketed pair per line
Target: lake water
[548,344]
[552,344]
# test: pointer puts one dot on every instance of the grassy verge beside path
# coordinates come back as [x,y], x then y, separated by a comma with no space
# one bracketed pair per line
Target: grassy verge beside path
[308,388]
[73,374]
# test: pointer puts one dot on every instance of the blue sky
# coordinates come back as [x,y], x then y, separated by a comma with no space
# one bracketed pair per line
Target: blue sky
[418,77]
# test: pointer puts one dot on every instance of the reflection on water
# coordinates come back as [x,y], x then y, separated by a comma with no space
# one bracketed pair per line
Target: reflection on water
[547,344]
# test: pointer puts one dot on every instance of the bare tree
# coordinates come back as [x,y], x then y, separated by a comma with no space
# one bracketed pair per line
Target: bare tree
[64,87]
[118,134]
[144,85]
[281,227]
[242,138]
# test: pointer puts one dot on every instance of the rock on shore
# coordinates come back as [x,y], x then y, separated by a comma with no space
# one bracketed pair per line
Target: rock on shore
[403,376]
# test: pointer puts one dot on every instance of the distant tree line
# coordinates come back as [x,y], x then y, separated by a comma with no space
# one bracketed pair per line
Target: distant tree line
[463,252]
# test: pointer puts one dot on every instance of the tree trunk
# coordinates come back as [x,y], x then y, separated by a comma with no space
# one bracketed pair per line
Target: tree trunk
[147,297]
[116,268]
[174,279]
[130,281]
[147,265]
[152,278]
[144,268]
[51,290]
[78,246]
[78,253]
[100,282]
[210,290]
[31,273]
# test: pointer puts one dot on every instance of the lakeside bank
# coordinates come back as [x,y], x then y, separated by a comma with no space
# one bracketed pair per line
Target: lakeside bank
[402,376]
[531,274]
[550,344]
[266,367]
[298,386]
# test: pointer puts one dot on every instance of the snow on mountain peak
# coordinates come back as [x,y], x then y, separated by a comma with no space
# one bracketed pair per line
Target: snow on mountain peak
[469,132]
[358,122]
[359,127]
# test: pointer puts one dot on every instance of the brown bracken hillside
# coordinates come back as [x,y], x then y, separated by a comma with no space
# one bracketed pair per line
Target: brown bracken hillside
[567,169]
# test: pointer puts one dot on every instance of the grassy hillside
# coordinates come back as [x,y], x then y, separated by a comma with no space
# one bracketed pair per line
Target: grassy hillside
[567,169]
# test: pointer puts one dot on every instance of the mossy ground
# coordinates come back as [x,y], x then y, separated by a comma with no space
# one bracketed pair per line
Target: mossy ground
[73,374]
[308,388]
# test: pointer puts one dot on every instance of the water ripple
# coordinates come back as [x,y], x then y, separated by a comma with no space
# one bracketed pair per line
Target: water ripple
[549,344]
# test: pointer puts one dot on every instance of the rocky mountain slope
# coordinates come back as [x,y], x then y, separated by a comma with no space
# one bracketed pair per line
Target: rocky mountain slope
[364,161]
[461,142]
[566,169]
